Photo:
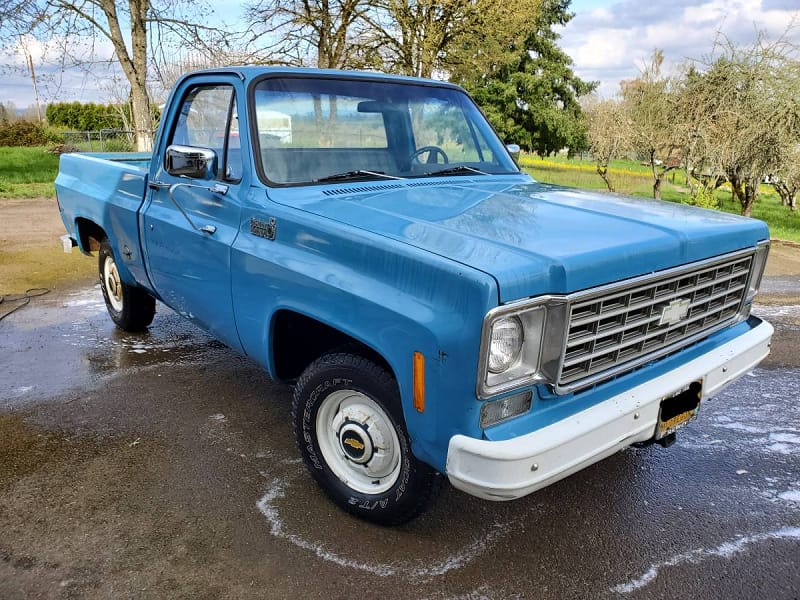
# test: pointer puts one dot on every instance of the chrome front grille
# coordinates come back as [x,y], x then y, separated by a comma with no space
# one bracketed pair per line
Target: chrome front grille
[616,328]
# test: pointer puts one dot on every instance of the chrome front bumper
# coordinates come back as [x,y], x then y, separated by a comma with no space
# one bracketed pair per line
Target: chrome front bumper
[509,469]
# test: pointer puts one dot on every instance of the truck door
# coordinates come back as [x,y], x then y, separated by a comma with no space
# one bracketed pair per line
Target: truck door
[190,222]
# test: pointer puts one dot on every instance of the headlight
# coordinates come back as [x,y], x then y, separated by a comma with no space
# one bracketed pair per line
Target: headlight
[521,344]
[506,344]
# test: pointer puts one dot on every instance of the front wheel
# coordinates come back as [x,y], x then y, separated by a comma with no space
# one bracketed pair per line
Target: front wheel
[130,307]
[349,428]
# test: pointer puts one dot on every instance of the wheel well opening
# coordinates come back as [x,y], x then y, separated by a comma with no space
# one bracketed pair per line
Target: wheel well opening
[298,340]
[90,234]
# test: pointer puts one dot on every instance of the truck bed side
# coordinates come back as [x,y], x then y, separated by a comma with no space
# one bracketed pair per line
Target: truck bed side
[106,191]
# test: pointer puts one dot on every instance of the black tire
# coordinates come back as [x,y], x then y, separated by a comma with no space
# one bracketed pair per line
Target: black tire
[333,385]
[130,307]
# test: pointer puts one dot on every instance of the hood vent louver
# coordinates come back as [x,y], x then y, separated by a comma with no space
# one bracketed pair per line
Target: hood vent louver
[392,186]
[362,188]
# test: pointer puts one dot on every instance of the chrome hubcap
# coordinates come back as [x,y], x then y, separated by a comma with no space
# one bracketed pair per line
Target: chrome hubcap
[112,283]
[358,442]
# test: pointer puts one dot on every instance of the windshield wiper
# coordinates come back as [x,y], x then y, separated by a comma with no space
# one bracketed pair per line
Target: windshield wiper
[357,174]
[459,170]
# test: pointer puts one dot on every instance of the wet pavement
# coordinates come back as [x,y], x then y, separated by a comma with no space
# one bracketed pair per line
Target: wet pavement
[163,465]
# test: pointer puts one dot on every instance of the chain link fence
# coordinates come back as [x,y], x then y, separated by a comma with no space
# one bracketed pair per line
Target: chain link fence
[103,140]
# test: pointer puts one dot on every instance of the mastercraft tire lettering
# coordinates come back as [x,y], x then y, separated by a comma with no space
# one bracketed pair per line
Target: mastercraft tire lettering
[350,431]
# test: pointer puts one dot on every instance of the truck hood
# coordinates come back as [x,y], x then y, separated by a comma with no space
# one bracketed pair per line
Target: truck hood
[535,238]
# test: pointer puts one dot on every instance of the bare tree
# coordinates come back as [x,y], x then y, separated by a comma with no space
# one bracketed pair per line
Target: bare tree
[325,33]
[419,37]
[703,176]
[171,67]
[130,26]
[608,132]
[786,180]
[650,106]
[8,112]
[745,104]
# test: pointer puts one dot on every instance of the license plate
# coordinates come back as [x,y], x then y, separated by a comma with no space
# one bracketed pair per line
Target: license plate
[679,409]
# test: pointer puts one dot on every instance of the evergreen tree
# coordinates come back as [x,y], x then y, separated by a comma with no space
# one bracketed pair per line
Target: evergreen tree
[532,99]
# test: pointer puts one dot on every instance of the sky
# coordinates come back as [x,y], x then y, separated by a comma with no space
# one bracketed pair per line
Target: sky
[608,40]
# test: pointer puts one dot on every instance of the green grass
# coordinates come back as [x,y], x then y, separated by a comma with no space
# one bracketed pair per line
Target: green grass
[618,164]
[27,172]
[626,177]
[624,183]
[783,223]
[108,145]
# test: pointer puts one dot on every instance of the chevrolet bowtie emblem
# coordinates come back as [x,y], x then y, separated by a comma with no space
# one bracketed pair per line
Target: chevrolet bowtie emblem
[353,443]
[675,311]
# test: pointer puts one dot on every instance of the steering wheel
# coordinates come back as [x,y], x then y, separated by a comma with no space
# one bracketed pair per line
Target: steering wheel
[433,153]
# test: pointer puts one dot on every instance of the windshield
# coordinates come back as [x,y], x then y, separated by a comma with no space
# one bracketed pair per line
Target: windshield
[312,130]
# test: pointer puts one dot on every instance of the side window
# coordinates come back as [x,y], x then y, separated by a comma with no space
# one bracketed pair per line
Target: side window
[208,119]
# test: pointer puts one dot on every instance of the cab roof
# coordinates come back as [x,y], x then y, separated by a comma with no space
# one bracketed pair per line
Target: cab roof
[250,72]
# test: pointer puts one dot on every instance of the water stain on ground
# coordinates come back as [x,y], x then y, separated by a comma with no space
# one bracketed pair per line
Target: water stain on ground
[66,342]
[26,449]
[163,465]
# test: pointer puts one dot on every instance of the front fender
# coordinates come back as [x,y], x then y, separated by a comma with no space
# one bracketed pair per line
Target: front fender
[394,298]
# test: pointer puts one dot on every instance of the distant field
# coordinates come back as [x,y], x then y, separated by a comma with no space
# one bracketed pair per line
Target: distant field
[27,173]
[629,177]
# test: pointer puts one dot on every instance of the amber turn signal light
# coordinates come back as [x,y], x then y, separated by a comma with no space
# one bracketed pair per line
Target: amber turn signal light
[419,381]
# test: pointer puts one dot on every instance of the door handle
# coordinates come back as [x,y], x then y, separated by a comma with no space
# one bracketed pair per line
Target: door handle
[217,189]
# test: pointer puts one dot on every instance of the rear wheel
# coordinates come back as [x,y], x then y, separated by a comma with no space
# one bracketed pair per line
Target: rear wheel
[350,431]
[130,307]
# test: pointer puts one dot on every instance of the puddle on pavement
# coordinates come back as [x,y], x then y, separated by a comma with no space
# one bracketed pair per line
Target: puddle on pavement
[782,285]
[69,342]
[27,449]
[787,314]
[171,341]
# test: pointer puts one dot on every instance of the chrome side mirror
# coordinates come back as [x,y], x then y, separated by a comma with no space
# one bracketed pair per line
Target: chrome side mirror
[188,161]
[513,150]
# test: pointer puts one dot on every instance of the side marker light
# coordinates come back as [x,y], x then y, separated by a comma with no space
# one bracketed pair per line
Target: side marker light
[419,382]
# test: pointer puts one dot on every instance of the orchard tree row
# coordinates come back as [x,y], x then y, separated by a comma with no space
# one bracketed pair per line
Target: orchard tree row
[733,118]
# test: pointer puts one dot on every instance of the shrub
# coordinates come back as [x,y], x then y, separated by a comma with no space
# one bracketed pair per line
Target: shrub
[54,136]
[704,198]
[22,133]
[83,117]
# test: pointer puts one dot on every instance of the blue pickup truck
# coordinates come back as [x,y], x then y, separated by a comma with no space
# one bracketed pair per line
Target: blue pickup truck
[369,239]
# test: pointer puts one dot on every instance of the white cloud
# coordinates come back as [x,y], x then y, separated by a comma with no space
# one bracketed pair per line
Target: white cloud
[602,16]
[610,43]
[57,77]
[603,49]
[710,14]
